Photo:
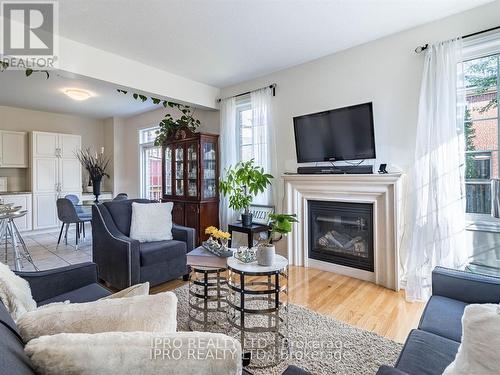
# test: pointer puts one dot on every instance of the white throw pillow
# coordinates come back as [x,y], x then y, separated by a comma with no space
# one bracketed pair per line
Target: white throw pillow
[131,291]
[15,293]
[131,353]
[154,313]
[151,221]
[479,352]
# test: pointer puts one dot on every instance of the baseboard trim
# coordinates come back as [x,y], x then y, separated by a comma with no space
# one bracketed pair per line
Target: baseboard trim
[342,270]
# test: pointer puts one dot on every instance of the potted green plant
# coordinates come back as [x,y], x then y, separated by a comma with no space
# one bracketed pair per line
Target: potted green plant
[241,183]
[169,125]
[281,225]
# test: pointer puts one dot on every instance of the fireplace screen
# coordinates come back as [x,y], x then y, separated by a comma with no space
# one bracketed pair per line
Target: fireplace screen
[341,233]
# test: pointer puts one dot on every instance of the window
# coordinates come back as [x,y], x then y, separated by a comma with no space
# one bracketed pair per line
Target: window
[150,164]
[481,131]
[251,136]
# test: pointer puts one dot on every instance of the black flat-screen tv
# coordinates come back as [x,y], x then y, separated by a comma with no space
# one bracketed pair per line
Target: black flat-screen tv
[339,134]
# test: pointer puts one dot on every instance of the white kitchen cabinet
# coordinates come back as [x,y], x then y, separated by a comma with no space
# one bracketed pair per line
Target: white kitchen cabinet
[44,145]
[68,144]
[24,200]
[45,211]
[45,175]
[13,149]
[70,175]
[56,172]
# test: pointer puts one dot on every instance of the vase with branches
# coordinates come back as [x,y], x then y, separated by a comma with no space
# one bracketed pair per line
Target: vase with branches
[96,165]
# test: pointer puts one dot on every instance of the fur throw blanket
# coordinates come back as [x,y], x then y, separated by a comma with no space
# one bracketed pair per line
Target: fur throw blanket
[155,313]
[131,353]
[15,293]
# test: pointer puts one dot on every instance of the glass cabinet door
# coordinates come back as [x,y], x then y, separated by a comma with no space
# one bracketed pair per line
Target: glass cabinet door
[168,171]
[179,170]
[209,170]
[192,169]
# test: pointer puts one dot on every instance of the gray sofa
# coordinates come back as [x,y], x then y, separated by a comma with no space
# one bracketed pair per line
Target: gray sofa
[123,261]
[77,283]
[432,347]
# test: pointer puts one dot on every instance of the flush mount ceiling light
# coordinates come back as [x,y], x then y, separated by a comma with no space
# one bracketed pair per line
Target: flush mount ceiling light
[78,94]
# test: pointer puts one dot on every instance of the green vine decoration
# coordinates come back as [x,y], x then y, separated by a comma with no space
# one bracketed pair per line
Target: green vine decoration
[169,125]
[4,65]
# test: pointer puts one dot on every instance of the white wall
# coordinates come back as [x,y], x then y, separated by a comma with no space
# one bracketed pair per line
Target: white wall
[386,72]
[20,119]
[95,63]
[126,141]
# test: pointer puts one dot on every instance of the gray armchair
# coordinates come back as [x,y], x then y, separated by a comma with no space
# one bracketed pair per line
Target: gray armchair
[123,261]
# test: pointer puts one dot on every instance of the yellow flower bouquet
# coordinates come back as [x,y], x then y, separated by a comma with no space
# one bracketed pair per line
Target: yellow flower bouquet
[217,242]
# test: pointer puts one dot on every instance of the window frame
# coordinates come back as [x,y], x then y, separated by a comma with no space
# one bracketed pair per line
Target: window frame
[473,50]
[243,104]
[143,147]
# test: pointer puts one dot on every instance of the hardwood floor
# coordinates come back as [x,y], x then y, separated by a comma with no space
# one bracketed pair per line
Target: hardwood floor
[356,302]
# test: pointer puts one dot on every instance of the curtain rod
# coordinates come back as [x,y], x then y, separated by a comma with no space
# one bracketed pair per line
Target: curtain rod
[271,86]
[420,49]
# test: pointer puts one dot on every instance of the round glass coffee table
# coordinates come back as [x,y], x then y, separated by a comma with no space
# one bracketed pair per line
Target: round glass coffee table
[258,308]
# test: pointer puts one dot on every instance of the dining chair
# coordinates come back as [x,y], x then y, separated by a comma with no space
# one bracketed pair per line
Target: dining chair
[67,213]
[121,197]
[83,212]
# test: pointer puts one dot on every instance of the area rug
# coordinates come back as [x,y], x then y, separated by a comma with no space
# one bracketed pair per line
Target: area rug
[318,343]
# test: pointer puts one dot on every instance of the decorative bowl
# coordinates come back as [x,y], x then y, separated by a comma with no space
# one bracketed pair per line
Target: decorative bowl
[245,255]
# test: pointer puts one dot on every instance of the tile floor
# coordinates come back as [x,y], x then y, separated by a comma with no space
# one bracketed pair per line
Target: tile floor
[46,254]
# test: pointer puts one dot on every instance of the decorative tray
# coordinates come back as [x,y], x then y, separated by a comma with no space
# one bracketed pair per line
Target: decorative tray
[217,249]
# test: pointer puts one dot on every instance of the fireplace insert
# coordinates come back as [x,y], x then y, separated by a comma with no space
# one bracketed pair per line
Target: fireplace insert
[341,233]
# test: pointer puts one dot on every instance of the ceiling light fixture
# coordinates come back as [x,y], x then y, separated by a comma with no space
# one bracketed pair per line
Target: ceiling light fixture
[78,94]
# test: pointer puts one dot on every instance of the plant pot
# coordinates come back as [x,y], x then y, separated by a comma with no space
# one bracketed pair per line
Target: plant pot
[96,188]
[265,255]
[246,219]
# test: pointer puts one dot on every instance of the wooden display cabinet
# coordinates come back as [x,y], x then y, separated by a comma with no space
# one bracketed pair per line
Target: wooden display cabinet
[190,179]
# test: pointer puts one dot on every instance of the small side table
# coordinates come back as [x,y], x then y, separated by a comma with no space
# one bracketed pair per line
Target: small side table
[208,291]
[258,305]
[250,231]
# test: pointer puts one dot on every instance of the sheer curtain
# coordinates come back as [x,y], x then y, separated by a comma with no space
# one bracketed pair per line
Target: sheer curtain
[264,147]
[435,228]
[228,154]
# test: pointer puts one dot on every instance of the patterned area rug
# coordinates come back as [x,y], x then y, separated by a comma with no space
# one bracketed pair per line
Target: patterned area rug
[318,344]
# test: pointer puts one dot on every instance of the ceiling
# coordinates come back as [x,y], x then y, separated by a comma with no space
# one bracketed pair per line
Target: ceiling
[37,92]
[223,42]
[218,42]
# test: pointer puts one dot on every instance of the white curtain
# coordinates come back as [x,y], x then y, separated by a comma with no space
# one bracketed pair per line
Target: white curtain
[264,149]
[228,154]
[434,234]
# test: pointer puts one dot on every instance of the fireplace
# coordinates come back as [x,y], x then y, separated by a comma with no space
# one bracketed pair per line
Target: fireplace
[341,233]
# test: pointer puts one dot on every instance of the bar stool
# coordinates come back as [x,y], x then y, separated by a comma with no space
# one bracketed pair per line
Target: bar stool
[11,235]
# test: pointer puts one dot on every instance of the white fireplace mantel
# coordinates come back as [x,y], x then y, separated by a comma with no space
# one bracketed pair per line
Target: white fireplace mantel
[380,190]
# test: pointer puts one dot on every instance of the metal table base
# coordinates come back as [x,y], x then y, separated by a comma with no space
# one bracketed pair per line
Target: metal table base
[208,293]
[260,307]
[10,235]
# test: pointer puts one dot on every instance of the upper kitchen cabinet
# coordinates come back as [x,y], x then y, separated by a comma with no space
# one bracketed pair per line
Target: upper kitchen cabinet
[13,149]
[45,145]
